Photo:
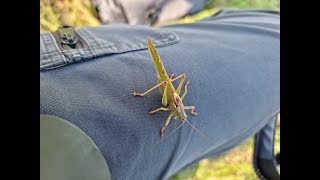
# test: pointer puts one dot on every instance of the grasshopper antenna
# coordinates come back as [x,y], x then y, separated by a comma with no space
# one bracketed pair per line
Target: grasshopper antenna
[171,132]
[163,139]
[197,130]
[166,137]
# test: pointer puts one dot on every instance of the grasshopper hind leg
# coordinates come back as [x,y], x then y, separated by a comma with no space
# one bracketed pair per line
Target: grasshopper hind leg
[159,109]
[151,89]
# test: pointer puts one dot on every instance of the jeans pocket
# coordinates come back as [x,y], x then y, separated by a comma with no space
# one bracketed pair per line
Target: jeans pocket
[100,41]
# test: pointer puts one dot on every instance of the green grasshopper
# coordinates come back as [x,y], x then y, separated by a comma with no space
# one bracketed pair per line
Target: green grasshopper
[170,96]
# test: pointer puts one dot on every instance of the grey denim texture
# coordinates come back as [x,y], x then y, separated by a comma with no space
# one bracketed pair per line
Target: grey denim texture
[231,59]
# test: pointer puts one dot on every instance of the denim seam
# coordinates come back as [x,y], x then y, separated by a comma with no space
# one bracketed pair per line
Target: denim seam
[94,44]
[90,38]
[171,39]
[53,59]
[85,39]
[158,43]
[43,47]
[47,40]
[69,56]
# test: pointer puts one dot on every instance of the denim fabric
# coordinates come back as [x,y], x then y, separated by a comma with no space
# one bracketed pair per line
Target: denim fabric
[231,59]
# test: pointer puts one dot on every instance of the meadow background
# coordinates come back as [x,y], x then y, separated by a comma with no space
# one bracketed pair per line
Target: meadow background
[79,13]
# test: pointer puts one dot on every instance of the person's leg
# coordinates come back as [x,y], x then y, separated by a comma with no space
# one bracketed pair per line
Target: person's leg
[232,62]
[239,68]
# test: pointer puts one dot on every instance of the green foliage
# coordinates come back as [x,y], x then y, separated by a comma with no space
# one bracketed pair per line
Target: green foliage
[54,13]
[269,4]
[194,17]
[214,6]
[187,173]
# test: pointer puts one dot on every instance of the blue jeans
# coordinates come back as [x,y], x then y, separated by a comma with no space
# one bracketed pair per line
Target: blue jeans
[231,59]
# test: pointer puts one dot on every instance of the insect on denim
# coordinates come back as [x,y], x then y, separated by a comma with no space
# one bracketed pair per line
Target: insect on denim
[231,59]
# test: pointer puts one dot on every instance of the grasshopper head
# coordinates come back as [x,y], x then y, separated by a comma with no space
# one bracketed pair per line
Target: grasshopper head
[179,111]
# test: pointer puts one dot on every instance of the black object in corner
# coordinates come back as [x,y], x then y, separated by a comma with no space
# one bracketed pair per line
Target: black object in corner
[264,160]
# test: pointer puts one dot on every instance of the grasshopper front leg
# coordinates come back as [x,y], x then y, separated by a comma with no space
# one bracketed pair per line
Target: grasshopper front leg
[183,95]
[166,124]
[192,109]
[185,90]
[178,77]
[183,76]
[151,89]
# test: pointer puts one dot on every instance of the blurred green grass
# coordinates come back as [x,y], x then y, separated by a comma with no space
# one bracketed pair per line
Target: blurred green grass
[214,5]
[79,13]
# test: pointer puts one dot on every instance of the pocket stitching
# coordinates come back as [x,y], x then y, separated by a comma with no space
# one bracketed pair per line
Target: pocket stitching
[54,60]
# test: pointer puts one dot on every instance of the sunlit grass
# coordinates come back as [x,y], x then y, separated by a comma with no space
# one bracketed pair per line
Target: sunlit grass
[195,17]
[54,13]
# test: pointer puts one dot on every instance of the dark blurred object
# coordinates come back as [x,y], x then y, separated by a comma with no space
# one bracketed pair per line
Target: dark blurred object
[149,12]
[278,158]
[264,161]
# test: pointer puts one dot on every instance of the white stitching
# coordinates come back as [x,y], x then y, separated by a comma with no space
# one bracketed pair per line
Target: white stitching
[90,48]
